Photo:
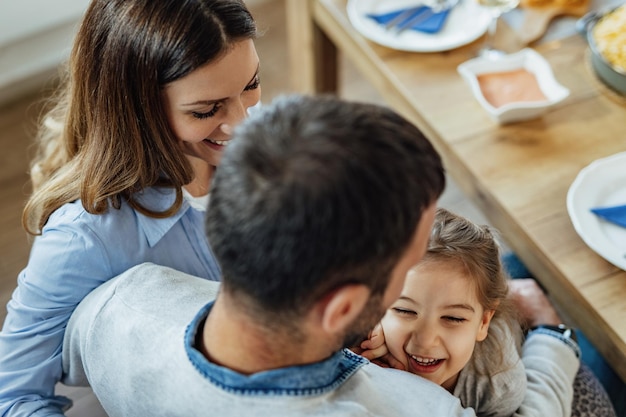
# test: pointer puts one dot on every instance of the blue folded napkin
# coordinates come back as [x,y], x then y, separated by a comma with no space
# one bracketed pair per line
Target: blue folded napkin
[614,214]
[431,24]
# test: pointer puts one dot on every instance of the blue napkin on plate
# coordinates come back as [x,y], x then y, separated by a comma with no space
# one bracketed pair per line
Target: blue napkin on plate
[614,214]
[431,24]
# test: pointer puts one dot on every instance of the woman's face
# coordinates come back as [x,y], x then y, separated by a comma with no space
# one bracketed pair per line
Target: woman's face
[204,106]
[433,327]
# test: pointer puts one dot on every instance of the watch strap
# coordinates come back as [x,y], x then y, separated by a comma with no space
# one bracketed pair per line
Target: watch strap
[561,331]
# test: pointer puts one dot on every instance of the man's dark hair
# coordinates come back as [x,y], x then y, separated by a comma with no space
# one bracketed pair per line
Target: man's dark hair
[314,193]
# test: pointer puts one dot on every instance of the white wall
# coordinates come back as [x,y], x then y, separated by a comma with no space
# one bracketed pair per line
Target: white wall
[35,37]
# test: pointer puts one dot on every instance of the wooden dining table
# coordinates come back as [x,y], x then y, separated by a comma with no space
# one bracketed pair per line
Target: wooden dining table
[517,174]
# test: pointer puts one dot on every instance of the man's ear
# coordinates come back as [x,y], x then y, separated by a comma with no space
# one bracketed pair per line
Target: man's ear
[339,309]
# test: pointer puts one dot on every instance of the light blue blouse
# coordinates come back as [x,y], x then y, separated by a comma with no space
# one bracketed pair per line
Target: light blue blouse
[77,252]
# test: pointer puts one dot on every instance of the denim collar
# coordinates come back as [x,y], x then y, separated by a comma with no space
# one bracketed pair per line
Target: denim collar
[312,379]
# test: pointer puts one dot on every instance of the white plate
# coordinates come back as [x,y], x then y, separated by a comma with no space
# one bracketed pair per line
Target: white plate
[465,23]
[601,183]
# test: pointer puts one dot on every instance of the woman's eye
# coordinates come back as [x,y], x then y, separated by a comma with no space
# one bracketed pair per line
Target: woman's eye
[254,84]
[404,312]
[210,113]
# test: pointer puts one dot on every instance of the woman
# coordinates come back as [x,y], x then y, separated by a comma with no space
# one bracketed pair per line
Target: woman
[124,167]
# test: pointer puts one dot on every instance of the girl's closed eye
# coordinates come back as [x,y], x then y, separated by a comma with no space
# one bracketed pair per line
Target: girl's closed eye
[404,311]
[454,319]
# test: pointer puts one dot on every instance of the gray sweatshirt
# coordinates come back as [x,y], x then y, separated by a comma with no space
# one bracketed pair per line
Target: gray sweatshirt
[132,340]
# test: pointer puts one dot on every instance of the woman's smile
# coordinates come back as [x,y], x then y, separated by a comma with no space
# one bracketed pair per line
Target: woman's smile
[218,145]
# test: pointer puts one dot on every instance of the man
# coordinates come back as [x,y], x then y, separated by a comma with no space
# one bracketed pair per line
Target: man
[317,211]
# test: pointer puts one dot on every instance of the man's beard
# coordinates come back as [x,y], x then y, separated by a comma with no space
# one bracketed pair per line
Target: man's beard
[372,313]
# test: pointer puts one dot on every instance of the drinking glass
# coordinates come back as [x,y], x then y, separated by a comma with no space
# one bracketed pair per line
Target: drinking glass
[496,8]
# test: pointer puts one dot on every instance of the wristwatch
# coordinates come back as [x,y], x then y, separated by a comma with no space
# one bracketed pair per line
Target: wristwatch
[562,332]
[566,331]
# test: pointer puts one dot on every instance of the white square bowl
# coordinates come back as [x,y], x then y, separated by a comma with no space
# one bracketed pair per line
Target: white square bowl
[526,59]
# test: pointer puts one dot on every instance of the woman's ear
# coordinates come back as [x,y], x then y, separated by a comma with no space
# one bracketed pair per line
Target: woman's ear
[483,330]
[339,309]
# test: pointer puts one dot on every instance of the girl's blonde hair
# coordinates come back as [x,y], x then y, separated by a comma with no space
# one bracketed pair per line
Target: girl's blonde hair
[476,249]
[108,137]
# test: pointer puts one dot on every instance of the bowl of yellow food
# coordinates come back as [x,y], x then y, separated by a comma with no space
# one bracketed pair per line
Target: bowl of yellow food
[606,36]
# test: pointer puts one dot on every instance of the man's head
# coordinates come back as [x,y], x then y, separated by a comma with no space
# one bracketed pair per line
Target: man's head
[318,195]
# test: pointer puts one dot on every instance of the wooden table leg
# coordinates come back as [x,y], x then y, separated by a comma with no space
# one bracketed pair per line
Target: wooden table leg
[312,55]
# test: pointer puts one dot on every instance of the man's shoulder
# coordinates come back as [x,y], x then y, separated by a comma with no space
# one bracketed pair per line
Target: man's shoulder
[399,393]
[154,290]
[383,376]
[152,276]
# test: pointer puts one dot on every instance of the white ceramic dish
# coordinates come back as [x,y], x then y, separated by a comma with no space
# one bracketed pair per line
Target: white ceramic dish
[601,183]
[526,59]
[465,23]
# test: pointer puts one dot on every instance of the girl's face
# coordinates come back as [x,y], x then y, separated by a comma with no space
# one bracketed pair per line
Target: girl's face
[433,327]
[204,106]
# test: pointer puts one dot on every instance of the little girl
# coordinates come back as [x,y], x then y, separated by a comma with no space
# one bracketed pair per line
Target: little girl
[452,323]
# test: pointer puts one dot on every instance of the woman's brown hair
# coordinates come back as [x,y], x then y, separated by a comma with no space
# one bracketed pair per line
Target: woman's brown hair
[107,137]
